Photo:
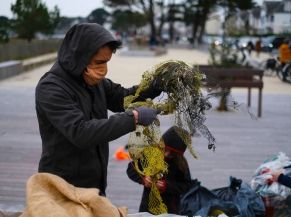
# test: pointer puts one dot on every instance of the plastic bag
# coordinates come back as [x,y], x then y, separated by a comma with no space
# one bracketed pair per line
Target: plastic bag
[274,194]
[274,163]
[199,201]
[262,180]
[249,202]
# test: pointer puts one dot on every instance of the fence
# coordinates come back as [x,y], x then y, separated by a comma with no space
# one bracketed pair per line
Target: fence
[22,49]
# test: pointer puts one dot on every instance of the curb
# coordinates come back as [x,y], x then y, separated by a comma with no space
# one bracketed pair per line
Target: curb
[10,68]
[33,63]
[14,67]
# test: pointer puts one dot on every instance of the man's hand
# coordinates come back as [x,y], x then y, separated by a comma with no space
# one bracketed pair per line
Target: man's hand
[144,115]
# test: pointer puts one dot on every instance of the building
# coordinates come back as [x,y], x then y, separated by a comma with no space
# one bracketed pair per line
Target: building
[277,16]
[272,17]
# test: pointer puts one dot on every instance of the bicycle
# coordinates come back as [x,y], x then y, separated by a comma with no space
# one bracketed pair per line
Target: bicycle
[270,66]
[285,72]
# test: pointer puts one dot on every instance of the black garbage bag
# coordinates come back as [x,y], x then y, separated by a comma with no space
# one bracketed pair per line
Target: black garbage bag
[199,201]
[248,201]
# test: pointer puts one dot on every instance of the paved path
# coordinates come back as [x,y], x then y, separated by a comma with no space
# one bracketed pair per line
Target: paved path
[242,143]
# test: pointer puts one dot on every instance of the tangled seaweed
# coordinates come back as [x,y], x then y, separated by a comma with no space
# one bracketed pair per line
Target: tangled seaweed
[185,100]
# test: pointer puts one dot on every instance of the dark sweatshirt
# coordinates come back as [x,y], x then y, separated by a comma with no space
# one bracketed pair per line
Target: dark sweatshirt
[73,118]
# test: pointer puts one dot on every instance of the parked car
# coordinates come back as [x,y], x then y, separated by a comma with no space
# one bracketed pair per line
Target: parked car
[266,43]
[276,42]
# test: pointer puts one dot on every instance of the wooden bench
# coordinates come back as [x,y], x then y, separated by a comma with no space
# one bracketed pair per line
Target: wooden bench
[235,77]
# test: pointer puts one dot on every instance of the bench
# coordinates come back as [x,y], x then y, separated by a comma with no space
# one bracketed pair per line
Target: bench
[240,77]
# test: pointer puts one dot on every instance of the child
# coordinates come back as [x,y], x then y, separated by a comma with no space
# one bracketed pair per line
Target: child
[175,182]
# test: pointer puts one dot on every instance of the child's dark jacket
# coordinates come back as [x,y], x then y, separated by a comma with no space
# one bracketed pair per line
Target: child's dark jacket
[177,182]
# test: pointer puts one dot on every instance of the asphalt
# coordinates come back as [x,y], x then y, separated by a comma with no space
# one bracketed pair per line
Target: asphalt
[243,142]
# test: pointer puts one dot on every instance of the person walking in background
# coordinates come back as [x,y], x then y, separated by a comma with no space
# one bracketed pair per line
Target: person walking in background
[176,181]
[258,47]
[250,47]
[284,56]
[72,102]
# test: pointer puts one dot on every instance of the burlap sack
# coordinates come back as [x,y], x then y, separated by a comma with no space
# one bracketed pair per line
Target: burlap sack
[51,196]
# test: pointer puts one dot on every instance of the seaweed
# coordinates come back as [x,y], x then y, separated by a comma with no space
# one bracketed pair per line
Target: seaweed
[186,102]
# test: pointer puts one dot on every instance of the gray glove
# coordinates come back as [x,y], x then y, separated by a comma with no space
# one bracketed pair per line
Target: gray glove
[146,115]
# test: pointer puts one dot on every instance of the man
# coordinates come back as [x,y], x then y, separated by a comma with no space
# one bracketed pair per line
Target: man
[72,100]
[258,46]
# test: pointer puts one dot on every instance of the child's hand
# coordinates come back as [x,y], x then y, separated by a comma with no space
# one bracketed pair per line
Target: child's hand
[161,185]
[265,170]
[147,181]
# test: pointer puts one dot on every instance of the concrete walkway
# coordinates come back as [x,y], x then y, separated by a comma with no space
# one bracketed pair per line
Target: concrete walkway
[243,143]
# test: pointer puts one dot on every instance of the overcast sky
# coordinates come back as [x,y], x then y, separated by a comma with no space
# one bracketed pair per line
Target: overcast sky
[69,8]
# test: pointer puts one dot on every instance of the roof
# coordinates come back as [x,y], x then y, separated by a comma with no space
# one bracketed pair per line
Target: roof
[256,11]
[274,7]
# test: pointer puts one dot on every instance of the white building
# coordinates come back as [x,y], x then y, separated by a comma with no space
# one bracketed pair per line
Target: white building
[214,24]
[278,16]
[271,17]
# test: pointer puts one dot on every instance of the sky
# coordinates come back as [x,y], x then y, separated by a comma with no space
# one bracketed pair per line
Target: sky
[68,8]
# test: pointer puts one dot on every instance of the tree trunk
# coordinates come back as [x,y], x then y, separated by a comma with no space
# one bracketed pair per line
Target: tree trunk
[162,21]
[203,20]
[171,31]
[161,26]
[201,33]
[224,100]
[194,29]
[151,18]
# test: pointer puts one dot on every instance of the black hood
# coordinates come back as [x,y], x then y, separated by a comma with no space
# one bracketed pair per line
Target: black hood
[80,43]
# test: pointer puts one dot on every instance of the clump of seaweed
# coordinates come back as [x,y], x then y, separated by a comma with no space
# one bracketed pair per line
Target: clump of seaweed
[185,100]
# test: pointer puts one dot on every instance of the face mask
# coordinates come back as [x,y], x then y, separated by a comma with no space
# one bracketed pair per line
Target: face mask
[93,76]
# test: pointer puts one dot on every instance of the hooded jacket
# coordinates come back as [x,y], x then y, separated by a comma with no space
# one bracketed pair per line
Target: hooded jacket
[73,118]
